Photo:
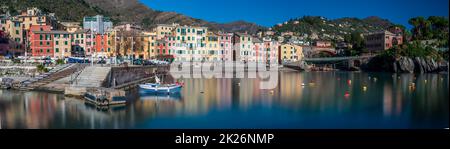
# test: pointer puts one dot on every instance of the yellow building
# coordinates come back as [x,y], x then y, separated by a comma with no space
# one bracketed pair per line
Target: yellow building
[62,43]
[290,52]
[163,30]
[148,43]
[212,47]
[16,33]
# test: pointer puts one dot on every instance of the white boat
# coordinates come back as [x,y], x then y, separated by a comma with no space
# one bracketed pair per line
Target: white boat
[159,88]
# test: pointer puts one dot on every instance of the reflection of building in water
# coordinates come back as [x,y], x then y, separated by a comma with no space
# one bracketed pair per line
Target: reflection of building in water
[224,93]
[247,89]
[35,111]
[203,95]
[290,88]
[387,100]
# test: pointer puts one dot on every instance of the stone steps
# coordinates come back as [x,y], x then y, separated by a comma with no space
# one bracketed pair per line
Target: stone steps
[93,76]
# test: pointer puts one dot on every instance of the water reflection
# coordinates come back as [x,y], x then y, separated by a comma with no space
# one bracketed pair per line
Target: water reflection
[301,100]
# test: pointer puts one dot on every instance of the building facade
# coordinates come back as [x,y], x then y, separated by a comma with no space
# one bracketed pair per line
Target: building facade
[380,41]
[243,47]
[98,24]
[290,53]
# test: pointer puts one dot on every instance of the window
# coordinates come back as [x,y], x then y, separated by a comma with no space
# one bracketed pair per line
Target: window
[65,43]
[40,43]
[57,42]
[41,37]
[48,50]
[189,38]
[57,50]
[17,32]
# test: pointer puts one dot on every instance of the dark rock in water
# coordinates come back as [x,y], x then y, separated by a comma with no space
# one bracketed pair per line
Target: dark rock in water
[418,62]
[405,65]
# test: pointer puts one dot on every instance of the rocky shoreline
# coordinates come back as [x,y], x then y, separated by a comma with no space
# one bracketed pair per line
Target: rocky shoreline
[405,65]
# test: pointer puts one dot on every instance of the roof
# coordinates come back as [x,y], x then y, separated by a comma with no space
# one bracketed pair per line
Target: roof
[257,40]
[242,34]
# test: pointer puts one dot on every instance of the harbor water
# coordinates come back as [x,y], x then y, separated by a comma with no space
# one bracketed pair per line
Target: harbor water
[300,100]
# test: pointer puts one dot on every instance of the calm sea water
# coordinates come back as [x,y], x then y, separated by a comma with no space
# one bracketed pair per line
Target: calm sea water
[326,100]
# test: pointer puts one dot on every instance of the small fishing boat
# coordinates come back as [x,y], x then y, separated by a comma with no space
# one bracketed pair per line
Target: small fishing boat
[159,88]
[103,100]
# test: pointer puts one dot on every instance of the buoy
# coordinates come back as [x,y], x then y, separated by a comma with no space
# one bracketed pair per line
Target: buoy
[364,88]
[425,81]
[346,94]
[349,82]
[375,79]
[303,84]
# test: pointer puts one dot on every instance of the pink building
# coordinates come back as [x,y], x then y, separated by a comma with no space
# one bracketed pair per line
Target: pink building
[380,41]
[226,46]
[322,44]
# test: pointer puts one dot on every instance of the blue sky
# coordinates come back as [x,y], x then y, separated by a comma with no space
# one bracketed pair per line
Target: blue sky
[270,12]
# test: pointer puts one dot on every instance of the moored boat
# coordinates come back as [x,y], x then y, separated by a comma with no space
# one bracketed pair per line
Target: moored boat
[159,88]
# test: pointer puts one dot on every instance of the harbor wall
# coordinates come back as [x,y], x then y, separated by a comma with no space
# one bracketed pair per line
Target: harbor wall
[122,75]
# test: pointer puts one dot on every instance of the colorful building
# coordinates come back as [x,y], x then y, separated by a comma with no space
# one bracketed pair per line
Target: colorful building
[243,47]
[290,52]
[212,52]
[380,41]
[258,51]
[41,40]
[270,51]
[190,43]
[226,46]
[163,30]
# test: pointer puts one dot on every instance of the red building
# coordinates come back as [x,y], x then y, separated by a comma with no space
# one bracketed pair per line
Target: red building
[101,43]
[41,40]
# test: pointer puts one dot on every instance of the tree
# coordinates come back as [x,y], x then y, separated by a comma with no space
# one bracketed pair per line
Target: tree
[357,43]
[439,27]
[130,42]
[421,28]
